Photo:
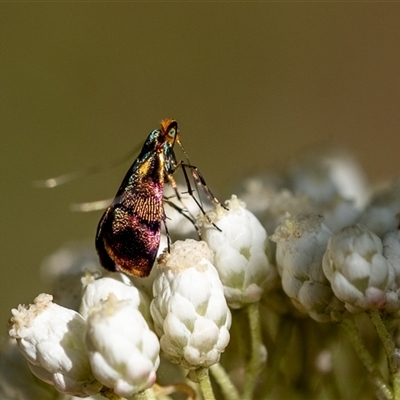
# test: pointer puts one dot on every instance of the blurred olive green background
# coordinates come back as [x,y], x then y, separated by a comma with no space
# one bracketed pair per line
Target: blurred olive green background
[251,84]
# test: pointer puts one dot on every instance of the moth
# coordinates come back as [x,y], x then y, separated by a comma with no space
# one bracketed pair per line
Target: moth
[128,234]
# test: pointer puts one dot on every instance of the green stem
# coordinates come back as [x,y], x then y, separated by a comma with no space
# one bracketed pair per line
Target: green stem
[385,336]
[285,329]
[258,351]
[228,389]
[390,350]
[365,356]
[203,378]
[396,385]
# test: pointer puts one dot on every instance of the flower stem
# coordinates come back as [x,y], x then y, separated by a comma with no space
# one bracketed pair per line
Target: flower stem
[258,351]
[164,391]
[385,336]
[228,389]
[396,385]
[365,356]
[390,350]
[203,378]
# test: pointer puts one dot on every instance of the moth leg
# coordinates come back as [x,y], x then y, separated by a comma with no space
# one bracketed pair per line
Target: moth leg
[199,179]
[167,233]
[182,210]
[174,185]
[185,213]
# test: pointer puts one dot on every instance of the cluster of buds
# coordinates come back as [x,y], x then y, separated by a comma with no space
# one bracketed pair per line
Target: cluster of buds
[314,249]
[108,344]
[331,253]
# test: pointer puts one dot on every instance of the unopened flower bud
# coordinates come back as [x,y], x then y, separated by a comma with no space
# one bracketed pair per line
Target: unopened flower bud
[285,202]
[124,352]
[51,338]
[258,191]
[326,175]
[338,213]
[359,273]
[189,308]
[380,216]
[240,246]
[117,283]
[17,381]
[301,242]
[391,251]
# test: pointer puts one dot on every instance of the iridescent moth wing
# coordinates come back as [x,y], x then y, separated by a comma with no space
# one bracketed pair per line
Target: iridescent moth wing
[128,234]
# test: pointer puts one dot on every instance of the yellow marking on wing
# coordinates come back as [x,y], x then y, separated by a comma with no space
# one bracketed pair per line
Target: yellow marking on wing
[144,167]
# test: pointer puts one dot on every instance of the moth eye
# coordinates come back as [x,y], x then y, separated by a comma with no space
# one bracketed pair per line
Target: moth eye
[172,133]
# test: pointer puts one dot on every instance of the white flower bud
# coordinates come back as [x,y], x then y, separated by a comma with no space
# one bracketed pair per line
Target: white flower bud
[348,176]
[380,216]
[189,308]
[120,286]
[301,242]
[324,176]
[285,202]
[124,352]
[338,213]
[379,219]
[258,191]
[391,251]
[359,273]
[240,245]
[51,338]
[311,175]
[17,381]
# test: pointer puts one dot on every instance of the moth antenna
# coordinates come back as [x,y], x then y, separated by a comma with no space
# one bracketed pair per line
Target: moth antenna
[58,180]
[183,150]
[94,169]
[90,206]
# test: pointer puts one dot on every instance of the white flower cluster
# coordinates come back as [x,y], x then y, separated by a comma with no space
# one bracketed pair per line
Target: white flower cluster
[309,239]
[100,337]
[334,249]
[108,343]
